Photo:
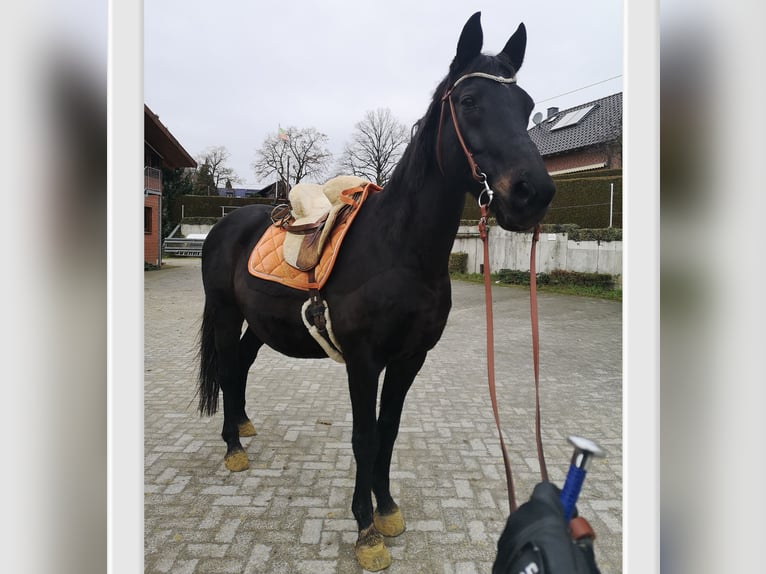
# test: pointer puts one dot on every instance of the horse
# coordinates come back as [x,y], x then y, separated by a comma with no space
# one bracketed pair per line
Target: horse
[389,293]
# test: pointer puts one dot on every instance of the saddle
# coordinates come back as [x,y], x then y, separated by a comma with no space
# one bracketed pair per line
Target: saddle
[300,249]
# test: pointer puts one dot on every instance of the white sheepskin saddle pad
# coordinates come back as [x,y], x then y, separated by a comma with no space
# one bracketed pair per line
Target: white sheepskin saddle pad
[310,202]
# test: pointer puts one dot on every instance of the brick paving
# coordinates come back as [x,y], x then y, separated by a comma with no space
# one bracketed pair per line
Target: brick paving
[290,512]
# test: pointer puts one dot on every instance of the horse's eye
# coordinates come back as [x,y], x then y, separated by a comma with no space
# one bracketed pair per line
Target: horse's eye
[467,102]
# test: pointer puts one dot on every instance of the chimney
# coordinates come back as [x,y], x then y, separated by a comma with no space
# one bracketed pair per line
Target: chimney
[552,112]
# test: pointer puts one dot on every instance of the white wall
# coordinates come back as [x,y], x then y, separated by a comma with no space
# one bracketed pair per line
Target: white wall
[509,250]
[195,229]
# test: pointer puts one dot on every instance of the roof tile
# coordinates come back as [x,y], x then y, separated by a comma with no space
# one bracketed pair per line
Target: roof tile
[602,124]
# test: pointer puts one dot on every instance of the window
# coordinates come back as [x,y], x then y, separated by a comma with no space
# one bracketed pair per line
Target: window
[147,219]
[572,118]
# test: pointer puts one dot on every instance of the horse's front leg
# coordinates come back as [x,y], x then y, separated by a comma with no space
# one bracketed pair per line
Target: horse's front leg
[371,552]
[388,517]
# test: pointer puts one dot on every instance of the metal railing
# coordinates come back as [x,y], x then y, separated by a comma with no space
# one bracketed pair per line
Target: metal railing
[182,246]
[152,179]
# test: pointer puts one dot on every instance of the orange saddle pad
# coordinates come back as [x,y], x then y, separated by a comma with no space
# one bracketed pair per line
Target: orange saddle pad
[267,260]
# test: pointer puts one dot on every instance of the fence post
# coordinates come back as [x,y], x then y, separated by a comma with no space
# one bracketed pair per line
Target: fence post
[611,202]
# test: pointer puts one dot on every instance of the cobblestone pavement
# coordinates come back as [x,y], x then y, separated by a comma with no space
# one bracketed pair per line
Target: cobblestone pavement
[290,512]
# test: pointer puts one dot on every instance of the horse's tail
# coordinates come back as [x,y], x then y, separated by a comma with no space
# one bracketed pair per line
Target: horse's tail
[208,386]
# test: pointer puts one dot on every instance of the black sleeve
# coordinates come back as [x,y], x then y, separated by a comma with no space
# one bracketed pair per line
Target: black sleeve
[536,539]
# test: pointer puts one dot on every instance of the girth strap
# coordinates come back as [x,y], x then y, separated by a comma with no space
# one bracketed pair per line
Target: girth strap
[316,318]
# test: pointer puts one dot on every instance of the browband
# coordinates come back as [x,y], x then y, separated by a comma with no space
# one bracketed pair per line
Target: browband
[500,79]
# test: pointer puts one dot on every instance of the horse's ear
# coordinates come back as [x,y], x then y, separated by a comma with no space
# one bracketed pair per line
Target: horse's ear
[470,43]
[516,47]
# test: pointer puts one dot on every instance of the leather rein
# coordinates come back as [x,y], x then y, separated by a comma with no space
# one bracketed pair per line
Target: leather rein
[484,200]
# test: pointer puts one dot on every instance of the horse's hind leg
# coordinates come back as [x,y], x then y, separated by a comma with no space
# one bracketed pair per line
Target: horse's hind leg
[399,377]
[248,350]
[228,327]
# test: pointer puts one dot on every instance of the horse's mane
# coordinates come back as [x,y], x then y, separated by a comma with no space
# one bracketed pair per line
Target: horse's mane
[419,153]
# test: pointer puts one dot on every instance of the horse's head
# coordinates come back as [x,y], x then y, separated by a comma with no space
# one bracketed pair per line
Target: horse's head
[481,103]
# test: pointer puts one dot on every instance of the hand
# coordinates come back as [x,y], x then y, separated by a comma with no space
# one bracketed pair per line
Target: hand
[536,538]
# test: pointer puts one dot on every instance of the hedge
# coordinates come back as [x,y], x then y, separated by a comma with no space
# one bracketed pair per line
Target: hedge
[198,206]
[581,203]
[575,233]
[585,201]
[572,230]
[617,172]
[557,277]
[579,200]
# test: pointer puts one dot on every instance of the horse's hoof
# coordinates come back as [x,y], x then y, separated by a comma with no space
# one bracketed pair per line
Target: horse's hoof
[246,429]
[391,524]
[236,461]
[371,552]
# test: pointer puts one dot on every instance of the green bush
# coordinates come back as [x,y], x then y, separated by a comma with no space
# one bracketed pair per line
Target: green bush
[568,228]
[513,277]
[557,277]
[458,262]
[560,277]
[603,234]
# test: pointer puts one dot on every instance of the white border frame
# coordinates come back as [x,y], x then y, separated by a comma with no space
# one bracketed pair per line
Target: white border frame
[640,284]
[125,127]
[641,377]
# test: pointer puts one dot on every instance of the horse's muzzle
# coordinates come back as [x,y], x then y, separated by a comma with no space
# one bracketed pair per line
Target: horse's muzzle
[525,204]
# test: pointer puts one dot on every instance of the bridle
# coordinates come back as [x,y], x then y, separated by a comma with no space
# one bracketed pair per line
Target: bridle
[484,200]
[477,174]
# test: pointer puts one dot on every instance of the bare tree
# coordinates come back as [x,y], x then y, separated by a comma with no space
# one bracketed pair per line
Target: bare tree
[376,146]
[204,184]
[293,155]
[216,157]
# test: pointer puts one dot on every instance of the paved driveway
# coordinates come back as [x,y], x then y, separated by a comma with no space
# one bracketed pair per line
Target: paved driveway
[290,512]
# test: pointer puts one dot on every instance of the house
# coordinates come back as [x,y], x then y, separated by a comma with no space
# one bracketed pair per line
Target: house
[236,192]
[582,138]
[267,191]
[161,151]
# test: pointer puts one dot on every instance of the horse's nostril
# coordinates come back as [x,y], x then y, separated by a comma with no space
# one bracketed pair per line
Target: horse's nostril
[522,191]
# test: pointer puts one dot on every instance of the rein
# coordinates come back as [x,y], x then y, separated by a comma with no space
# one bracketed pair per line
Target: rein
[485,198]
[483,233]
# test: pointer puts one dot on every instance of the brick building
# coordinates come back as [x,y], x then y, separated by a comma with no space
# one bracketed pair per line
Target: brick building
[161,151]
[583,138]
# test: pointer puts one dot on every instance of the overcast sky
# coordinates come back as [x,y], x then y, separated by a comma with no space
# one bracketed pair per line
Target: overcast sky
[229,73]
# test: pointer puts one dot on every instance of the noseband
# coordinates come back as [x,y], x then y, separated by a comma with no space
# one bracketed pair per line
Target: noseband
[477,174]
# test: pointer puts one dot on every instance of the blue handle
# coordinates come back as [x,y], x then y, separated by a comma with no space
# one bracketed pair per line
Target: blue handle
[571,490]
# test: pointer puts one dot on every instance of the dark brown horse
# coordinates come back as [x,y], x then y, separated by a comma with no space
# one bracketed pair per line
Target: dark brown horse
[389,294]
